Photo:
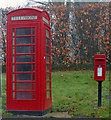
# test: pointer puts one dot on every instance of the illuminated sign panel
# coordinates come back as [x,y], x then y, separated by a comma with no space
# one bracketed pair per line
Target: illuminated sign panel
[32,17]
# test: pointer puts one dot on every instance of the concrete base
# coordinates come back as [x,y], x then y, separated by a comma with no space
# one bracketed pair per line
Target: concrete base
[35,113]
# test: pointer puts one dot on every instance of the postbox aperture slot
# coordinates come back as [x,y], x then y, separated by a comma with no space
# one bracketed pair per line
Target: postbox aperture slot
[100,60]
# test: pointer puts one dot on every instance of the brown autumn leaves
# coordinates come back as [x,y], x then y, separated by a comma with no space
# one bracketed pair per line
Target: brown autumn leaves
[79,32]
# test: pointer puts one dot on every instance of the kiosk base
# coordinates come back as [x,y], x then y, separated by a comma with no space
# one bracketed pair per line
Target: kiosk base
[36,113]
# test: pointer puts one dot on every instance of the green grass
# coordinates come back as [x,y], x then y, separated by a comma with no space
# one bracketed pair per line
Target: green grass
[74,92]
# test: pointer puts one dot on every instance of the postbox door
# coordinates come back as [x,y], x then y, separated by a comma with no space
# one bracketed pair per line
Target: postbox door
[99,72]
[24,66]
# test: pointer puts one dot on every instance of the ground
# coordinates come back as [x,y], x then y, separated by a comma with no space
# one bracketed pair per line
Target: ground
[74,95]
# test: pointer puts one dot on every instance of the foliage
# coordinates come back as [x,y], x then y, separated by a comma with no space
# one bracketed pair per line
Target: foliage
[78,30]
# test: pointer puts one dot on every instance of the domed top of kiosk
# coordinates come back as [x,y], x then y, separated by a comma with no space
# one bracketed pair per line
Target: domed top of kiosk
[28,14]
[36,9]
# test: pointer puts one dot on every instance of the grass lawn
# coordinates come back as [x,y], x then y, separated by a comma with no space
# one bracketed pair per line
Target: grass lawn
[74,92]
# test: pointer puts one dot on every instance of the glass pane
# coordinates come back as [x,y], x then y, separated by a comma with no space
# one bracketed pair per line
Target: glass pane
[47,50]
[13,32]
[47,59]
[33,86]
[23,58]
[47,41]
[23,49]
[13,95]
[23,86]
[33,49]
[34,76]
[23,67]
[33,95]
[13,77]
[23,76]
[33,40]
[33,31]
[13,41]
[33,67]
[13,86]
[33,58]
[48,94]
[47,33]
[48,85]
[13,50]
[23,31]
[47,67]
[23,40]
[47,76]
[13,59]
[23,95]
[13,68]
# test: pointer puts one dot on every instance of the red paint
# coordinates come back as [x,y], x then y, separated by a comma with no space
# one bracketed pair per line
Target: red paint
[99,66]
[35,91]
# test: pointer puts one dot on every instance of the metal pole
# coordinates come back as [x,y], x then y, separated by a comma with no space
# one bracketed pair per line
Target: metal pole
[99,92]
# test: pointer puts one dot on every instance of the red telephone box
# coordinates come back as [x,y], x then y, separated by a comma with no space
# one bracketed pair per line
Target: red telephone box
[28,61]
[99,67]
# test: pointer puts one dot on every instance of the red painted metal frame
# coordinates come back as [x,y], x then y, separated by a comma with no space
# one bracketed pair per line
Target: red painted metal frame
[40,103]
[24,63]
[99,60]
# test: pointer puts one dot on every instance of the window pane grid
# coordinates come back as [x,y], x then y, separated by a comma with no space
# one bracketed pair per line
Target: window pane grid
[24,54]
[24,63]
[24,72]
[48,94]
[47,50]
[23,49]
[24,95]
[23,40]
[47,42]
[29,86]
[48,85]
[13,58]
[23,58]
[13,50]
[24,45]
[47,59]
[23,90]
[23,82]
[23,31]
[29,95]
[13,41]
[34,40]
[48,69]
[13,32]
[13,95]
[47,33]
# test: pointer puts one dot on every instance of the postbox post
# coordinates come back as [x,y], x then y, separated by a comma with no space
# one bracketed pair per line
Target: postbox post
[99,74]
[99,93]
